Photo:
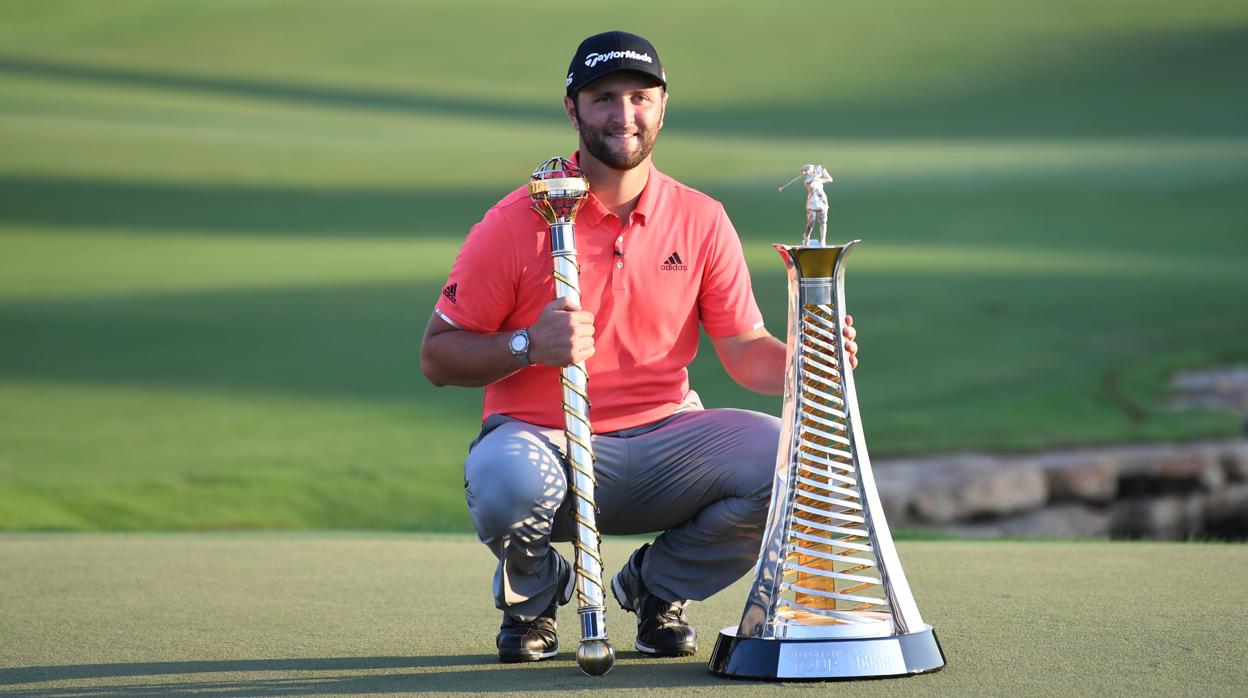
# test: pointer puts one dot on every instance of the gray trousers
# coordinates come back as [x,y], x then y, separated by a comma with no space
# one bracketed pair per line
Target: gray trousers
[702,478]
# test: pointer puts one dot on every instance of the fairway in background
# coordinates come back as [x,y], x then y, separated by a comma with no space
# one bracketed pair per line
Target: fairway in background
[223,226]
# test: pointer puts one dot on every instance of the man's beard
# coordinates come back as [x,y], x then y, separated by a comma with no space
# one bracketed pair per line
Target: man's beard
[596,143]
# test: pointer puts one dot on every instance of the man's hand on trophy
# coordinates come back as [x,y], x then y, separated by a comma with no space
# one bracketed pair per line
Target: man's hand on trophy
[562,335]
[851,347]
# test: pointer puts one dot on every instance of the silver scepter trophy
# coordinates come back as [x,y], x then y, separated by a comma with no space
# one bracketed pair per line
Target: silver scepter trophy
[829,599]
[557,191]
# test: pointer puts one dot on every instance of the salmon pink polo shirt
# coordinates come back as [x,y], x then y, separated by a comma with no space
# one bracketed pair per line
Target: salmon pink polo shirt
[649,282]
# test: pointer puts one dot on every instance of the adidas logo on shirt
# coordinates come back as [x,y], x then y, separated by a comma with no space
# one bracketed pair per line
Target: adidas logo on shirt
[673,263]
[449,292]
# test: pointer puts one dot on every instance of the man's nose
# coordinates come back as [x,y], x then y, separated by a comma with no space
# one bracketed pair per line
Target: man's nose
[622,111]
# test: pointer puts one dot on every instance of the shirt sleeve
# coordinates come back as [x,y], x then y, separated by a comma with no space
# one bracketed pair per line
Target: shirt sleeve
[481,290]
[726,302]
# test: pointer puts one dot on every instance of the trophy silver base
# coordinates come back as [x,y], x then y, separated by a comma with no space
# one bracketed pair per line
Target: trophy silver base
[799,659]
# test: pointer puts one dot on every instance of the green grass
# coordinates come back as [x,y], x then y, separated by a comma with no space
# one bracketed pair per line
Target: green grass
[316,614]
[223,226]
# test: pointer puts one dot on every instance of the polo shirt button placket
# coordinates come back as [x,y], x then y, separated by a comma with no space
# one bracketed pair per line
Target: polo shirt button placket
[617,278]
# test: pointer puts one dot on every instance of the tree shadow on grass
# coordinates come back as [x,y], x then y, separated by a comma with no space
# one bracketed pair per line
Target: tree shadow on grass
[280,91]
[1141,85]
[100,204]
[437,673]
[73,672]
[347,341]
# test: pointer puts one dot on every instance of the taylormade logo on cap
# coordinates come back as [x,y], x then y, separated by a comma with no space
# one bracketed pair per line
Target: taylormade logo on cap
[610,52]
[594,59]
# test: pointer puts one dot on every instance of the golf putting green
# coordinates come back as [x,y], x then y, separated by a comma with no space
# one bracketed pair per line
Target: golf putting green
[341,613]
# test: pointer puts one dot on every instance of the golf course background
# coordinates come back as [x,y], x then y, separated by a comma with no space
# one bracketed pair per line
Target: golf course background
[223,226]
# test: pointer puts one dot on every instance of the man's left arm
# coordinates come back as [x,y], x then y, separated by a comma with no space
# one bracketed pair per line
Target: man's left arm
[755,359]
[726,306]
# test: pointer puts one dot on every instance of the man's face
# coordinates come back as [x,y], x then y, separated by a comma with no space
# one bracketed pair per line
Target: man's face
[619,117]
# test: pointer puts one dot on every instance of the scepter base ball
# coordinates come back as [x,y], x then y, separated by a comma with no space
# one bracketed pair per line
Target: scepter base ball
[595,657]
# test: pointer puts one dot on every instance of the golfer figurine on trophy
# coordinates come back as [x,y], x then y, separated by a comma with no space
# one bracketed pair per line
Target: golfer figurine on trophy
[830,599]
[814,176]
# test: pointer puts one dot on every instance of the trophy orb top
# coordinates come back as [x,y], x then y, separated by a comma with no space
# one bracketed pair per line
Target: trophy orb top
[557,189]
[556,168]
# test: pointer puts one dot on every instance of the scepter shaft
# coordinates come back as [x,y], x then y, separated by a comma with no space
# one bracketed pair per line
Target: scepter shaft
[580,450]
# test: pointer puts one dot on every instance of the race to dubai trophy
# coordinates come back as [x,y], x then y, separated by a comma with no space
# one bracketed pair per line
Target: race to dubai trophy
[557,191]
[829,598]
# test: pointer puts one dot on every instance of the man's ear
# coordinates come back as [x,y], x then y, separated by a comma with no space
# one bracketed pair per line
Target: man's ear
[663,111]
[570,107]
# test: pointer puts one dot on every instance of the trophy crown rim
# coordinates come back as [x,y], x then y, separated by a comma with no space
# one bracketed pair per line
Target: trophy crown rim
[570,186]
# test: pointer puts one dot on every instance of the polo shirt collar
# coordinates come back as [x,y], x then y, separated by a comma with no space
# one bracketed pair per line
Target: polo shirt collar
[593,211]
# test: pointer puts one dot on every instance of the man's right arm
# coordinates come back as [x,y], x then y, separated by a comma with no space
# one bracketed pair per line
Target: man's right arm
[451,356]
[563,334]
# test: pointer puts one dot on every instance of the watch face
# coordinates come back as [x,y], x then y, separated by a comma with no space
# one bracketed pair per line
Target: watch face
[519,342]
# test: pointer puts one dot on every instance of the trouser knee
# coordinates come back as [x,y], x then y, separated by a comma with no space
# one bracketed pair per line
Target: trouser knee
[514,484]
[758,463]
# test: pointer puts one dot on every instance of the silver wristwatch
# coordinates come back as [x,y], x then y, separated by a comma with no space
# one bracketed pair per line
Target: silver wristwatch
[519,346]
